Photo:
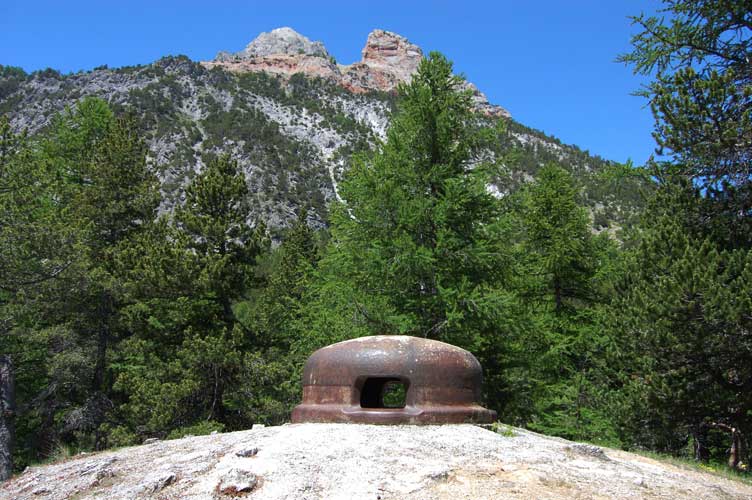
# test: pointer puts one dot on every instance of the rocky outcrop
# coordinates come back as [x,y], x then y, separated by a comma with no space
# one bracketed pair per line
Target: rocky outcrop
[283,52]
[348,461]
[284,65]
[388,59]
[283,41]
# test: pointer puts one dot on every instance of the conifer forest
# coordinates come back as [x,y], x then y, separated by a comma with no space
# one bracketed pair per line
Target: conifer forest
[123,317]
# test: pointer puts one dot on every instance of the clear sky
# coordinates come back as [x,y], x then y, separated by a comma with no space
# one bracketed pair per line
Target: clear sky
[549,62]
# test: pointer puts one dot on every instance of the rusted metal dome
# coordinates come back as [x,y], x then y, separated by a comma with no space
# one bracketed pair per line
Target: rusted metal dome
[390,379]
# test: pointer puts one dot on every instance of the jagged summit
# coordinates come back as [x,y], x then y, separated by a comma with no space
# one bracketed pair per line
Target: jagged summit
[384,48]
[388,59]
[282,41]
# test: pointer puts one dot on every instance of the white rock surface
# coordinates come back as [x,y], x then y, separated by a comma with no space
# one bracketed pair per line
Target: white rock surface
[283,41]
[341,461]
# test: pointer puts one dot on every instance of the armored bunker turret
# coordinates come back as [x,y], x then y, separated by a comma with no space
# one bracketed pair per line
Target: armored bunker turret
[390,379]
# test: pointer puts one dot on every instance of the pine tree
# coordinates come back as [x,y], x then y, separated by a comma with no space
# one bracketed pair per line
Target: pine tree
[701,98]
[83,192]
[560,284]
[280,304]
[187,363]
[214,218]
[34,250]
[557,235]
[32,230]
[692,348]
[275,314]
[684,338]
[111,194]
[417,239]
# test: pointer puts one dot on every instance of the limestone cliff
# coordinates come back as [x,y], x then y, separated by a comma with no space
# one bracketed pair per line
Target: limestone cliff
[388,59]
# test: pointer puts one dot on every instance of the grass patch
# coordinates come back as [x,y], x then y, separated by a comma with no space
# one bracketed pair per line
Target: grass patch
[715,468]
[503,429]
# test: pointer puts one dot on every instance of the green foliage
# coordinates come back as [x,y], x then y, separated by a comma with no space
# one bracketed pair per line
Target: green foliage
[275,313]
[563,270]
[680,309]
[416,238]
[502,429]
[280,302]
[199,429]
[12,72]
[557,237]
[11,79]
[89,193]
[31,225]
[214,220]
[684,350]
[188,360]
[701,96]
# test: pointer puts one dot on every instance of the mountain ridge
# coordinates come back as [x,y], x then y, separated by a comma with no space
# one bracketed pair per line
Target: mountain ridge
[388,59]
[292,135]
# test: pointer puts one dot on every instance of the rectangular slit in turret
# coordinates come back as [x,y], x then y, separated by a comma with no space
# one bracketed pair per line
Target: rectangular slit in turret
[383,392]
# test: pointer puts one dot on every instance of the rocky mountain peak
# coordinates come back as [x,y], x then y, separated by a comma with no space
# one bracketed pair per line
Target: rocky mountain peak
[285,41]
[388,59]
[384,48]
[283,52]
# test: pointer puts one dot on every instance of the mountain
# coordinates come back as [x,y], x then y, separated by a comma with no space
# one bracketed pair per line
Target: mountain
[346,461]
[292,117]
[388,60]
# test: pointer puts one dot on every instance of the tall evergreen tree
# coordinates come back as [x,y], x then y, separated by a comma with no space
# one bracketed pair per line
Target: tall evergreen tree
[418,237]
[683,312]
[112,195]
[276,315]
[214,217]
[701,98]
[89,193]
[35,247]
[563,264]
[186,364]
[693,374]
[280,303]
[419,246]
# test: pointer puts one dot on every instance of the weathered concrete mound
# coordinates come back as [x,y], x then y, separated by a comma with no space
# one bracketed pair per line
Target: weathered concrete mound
[350,461]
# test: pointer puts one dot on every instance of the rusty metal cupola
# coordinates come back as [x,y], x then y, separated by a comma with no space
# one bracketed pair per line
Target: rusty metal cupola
[392,379]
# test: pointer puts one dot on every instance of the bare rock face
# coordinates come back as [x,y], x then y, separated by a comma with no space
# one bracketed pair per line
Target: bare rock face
[283,65]
[481,103]
[282,52]
[388,59]
[283,41]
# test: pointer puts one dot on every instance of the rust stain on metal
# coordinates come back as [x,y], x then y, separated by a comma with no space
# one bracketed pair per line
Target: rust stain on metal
[434,383]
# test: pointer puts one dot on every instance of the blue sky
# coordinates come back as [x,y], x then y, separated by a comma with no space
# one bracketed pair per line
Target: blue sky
[550,63]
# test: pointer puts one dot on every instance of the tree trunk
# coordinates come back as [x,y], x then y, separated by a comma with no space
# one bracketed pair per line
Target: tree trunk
[700,438]
[7,415]
[103,337]
[735,452]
